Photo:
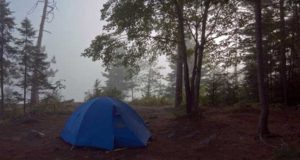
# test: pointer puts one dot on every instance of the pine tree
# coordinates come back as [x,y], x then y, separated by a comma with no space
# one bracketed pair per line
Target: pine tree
[48,9]
[6,26]
[26,52]
[97,91]
[151,79]
[171,79]
[42,70]
[116,78]
[118,84]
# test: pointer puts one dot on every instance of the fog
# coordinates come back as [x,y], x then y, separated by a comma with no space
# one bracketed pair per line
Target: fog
[75,24]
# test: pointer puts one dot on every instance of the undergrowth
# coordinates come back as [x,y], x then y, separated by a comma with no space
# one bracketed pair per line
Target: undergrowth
[151,101]
[17,112]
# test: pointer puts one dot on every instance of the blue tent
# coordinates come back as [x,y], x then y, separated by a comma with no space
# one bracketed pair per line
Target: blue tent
[105,123]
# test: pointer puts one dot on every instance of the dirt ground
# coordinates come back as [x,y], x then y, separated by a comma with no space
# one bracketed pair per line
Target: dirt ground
[220,134]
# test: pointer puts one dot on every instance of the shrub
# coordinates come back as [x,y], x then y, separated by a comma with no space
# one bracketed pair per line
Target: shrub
[151,101]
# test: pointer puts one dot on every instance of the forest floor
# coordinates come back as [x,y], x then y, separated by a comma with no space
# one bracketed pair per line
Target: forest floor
[220,134]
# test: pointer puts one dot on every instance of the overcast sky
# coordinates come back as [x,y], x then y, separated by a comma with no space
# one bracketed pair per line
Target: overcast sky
[76,23]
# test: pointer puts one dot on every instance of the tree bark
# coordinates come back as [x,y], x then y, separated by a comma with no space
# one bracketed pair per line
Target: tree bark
[263,129]
[200,56]
[182,49]
[178,88]
[25,83]
[283,77]
[194,72]
[35,85]
[2,73]
[148,92]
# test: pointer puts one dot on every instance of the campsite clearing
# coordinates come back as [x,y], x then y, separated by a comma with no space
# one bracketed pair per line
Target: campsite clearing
[220,134]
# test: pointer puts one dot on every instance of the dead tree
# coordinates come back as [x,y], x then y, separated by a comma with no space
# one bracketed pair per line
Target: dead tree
[47,15]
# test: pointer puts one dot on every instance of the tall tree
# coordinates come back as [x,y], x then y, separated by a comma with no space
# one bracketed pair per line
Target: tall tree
[131,25]
[182,51]
[42,67]
[96,91]
[263,129]
[47,14]
[26,51]
[283,77]
[171,79]
[179,80]
[150,79]
[135,30]
[204,21]
[116,78]
[6,26]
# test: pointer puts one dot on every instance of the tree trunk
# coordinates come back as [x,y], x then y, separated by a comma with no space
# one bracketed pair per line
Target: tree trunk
[200,53]
[182,49]
[178,89]
[198,78]
[2,75]
[293,47]
[283,78]
[148,92]
[35,84]
[194,72]
[131,93]
[25,83]
[263,129]
[296,21]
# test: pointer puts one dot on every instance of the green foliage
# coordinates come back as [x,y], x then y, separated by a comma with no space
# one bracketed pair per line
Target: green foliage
[42,67]
[19,60]
[105,48]
[171,81]
[151,101]
[130,27]
[53,108]
[250,80]
[99,91]
[113,92]
[11,112]
[117,77]
[15,112]
[151,80]
[54,96]
[26,49]
[6,50]
[219,86]
[272,43]
[11,97]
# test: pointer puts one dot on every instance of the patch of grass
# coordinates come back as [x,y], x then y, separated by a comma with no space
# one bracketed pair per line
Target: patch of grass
[151,101]
[14,112]
[286,153]
[53,108]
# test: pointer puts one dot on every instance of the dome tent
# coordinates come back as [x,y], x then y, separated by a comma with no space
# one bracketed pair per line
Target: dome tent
[106,123]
